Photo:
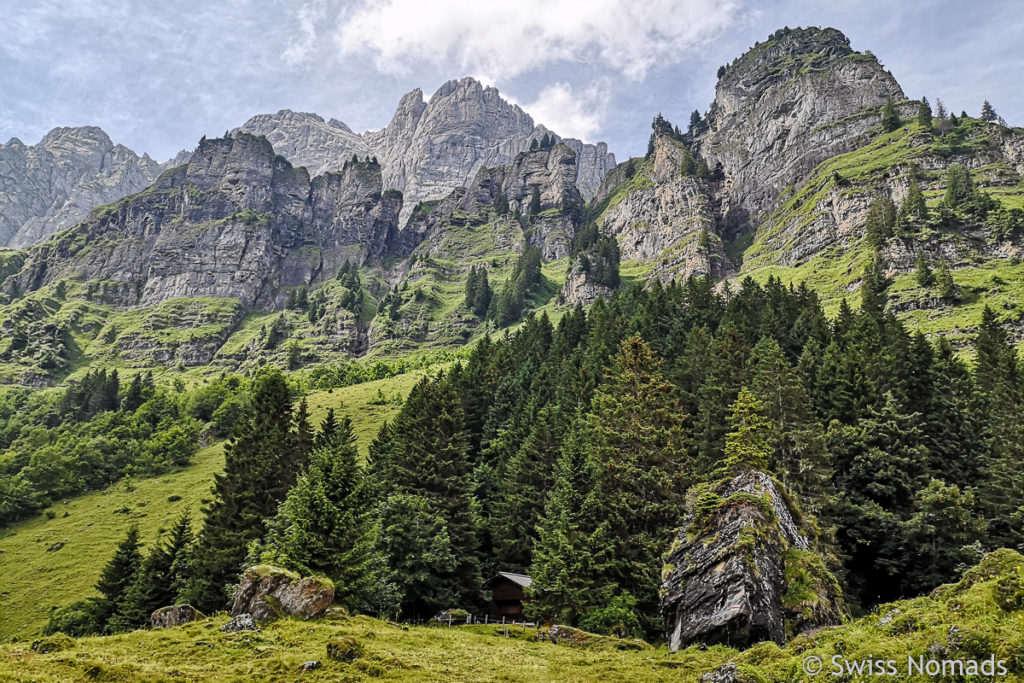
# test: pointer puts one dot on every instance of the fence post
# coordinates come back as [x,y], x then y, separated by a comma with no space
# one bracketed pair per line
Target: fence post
[506,630]
[449,620]
[485,618]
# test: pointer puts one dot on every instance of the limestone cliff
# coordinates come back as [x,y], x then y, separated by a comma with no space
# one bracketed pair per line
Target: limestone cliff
[782,108]
[429,148]
[238,222]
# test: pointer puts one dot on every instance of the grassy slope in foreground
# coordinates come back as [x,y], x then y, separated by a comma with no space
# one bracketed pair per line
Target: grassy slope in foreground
[34,579]
[978,617]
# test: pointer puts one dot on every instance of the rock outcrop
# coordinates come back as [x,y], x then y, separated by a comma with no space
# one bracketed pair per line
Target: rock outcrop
[429,148]
[174,615]
[782,108]
[268,593]
[664,214]
[743,571]
[50,186]
[237,222]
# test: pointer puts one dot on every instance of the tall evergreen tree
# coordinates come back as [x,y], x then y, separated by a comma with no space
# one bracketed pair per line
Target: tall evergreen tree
[988,114]
[425,454]
[161,575]
[324,527]
[924,114]
[261,463]
[748,444]
[640,450]
[890,117]
[117,577]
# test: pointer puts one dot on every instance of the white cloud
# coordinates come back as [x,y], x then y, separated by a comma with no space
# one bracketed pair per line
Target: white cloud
[571,113]
[300,48]
[492,39]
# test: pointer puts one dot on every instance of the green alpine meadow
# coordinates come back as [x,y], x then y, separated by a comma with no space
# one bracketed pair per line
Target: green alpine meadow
[463,399]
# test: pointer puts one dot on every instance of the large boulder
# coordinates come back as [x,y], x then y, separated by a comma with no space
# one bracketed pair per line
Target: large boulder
[174,615]
[269,593]
[742,569]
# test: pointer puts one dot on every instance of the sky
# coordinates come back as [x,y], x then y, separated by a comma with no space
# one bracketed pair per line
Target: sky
[158,76]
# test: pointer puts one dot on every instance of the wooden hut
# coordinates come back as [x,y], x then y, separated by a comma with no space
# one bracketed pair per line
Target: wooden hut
[507,594]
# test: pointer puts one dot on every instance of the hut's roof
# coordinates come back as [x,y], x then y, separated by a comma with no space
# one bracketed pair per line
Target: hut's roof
[519,579]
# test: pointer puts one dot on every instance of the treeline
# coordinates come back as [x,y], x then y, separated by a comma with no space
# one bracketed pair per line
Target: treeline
[98,431]
[567,452]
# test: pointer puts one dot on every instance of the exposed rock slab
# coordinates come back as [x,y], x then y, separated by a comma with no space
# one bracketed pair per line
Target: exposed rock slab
[726,578]
[174,615]
[268,593]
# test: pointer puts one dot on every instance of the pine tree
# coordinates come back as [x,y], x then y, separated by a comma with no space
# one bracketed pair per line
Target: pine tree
[261,464]
[323,527]
[117,577]
[890,117]
[940,110]
[923,271]
[924,115]
[988,114]
[694,119]
[748,444]
[639,448]
[535,201]
[161,575]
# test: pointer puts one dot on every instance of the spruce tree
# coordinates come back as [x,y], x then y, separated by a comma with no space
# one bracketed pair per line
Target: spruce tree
[161,575]
[535,201]
[798,455]
[988,114]
[261,463]
[748,443]
[914,207]
[426,454]
[923,271]
[117,577]
[924,115]
[890,117]
[944,280]
[640,450]
[573,551]
[323,527]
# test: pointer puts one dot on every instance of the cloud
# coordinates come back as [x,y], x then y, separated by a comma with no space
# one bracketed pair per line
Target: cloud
[491,39]
[571,113]
[302,47]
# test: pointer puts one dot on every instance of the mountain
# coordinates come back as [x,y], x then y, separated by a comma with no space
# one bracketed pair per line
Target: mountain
[53,185]
[778,179]
[429,148]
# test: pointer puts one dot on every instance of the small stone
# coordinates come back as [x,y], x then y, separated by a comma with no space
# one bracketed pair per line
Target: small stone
[311,665]
[242,622]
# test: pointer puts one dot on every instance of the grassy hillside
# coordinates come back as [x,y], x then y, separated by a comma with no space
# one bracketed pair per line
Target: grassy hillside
[49,562]
[979,617]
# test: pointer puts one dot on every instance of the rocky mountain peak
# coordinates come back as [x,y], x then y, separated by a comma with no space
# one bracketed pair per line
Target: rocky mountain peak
[52,185]
[801,97]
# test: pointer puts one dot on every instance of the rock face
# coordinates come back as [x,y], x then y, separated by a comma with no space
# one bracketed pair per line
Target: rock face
[784,107]
[429,148]
[662,214]
[742,571]
[237,222]
[174,615]
[268,593]
[53,185]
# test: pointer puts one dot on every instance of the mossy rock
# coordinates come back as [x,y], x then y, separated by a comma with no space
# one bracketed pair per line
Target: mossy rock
[58,642]
[344,649]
